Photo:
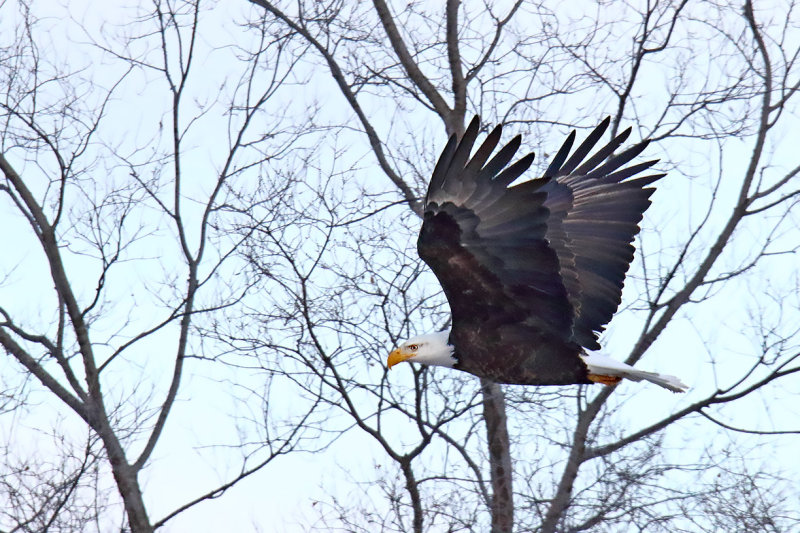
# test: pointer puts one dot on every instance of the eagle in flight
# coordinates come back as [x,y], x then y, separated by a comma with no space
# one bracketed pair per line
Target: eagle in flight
[532,271]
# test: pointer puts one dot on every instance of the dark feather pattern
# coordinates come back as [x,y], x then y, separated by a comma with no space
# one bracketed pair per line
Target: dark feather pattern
[533,272]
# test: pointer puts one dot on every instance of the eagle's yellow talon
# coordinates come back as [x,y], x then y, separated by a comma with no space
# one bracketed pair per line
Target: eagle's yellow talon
[605,380]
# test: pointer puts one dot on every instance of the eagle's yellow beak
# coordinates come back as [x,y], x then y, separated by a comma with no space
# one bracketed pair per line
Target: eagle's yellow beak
[397,356]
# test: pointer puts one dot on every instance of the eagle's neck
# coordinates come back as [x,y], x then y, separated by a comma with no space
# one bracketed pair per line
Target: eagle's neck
[437,351]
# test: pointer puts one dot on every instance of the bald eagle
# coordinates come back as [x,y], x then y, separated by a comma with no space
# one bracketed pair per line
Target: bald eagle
[532,271]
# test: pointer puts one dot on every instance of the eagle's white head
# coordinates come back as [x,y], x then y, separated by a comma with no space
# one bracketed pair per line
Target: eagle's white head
[430,349]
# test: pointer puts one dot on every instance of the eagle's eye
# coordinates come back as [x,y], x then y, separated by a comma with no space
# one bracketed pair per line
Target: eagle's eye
[413,347]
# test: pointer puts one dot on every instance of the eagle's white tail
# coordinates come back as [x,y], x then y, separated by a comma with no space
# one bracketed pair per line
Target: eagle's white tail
[605,366]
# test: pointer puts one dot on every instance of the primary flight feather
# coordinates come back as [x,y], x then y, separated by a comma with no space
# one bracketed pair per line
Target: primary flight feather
[533,271]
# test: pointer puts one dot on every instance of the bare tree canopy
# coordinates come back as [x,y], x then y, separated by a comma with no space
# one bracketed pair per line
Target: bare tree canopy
[209,216]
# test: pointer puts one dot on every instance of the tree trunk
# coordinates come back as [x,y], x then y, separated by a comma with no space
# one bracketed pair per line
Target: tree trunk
[128,486]
[126,477]
[494,414]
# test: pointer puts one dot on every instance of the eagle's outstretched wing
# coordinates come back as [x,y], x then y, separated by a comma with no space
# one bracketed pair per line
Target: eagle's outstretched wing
[549,253]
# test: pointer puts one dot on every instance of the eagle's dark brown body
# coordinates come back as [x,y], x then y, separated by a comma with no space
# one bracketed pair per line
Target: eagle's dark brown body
[534,271]
[496,354]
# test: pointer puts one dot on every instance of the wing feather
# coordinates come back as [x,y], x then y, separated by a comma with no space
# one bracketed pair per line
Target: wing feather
[584,148]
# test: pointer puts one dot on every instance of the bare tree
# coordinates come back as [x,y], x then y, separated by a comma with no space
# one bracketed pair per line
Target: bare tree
[715,86]
[118,243]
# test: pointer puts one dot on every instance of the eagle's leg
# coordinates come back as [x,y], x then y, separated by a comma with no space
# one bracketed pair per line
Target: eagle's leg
[605,380]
